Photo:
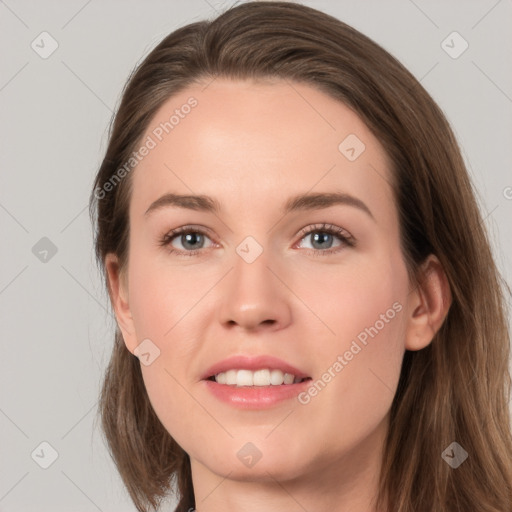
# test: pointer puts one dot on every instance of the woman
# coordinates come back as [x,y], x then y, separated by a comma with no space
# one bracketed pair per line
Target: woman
[250,373]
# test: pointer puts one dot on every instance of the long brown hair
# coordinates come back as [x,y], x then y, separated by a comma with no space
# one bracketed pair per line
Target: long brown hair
[455,389]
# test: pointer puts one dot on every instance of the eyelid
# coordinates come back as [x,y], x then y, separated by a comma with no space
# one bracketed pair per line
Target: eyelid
[329,228]
[345,237]
[189,228]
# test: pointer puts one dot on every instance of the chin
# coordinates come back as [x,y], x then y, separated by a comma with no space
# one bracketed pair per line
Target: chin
[248,463]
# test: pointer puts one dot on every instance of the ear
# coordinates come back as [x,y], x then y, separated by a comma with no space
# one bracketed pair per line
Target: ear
[430,302]
[118,291]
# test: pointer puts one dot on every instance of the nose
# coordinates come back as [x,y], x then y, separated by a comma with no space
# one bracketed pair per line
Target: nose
[254,297]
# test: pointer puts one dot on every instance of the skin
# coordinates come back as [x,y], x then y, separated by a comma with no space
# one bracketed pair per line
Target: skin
[252,145]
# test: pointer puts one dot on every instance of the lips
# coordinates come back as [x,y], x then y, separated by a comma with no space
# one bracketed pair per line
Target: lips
[254,364]
[274,382]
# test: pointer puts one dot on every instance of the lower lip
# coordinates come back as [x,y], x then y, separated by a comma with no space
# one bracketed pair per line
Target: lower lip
[255,397]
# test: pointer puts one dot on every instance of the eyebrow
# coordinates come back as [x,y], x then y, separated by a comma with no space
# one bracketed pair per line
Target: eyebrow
[311,201]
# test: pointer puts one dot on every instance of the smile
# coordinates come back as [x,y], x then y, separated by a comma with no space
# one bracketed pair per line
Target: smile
[262,377]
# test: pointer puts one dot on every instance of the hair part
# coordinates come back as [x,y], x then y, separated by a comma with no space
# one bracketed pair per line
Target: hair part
[455,389]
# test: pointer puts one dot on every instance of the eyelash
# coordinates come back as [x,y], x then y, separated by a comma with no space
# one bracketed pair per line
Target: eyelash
[330,229]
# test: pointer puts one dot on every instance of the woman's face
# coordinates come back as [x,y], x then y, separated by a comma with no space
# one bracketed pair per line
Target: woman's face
[315,287]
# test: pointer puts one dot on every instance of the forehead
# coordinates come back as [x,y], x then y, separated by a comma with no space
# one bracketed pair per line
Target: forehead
[246,141]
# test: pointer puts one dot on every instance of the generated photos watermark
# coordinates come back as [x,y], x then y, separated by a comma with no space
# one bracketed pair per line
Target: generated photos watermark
[343,360]
[151,141]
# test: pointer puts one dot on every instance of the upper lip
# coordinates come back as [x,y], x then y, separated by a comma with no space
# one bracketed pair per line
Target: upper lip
[253,363]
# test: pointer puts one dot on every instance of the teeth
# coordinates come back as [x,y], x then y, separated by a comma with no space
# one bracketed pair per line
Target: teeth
[276,377]
[264,377]
[289,378]
[231,377]
[261,378]
[244,378]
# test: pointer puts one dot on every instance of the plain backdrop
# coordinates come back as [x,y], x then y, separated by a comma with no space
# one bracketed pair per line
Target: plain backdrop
[56,324]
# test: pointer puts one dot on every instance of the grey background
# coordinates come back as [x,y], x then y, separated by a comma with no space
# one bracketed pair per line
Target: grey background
[56,325]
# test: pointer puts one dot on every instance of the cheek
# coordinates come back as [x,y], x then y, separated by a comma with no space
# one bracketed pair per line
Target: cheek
[359,316]
[359,365]
[354,302]
[161,298]
[167,306]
